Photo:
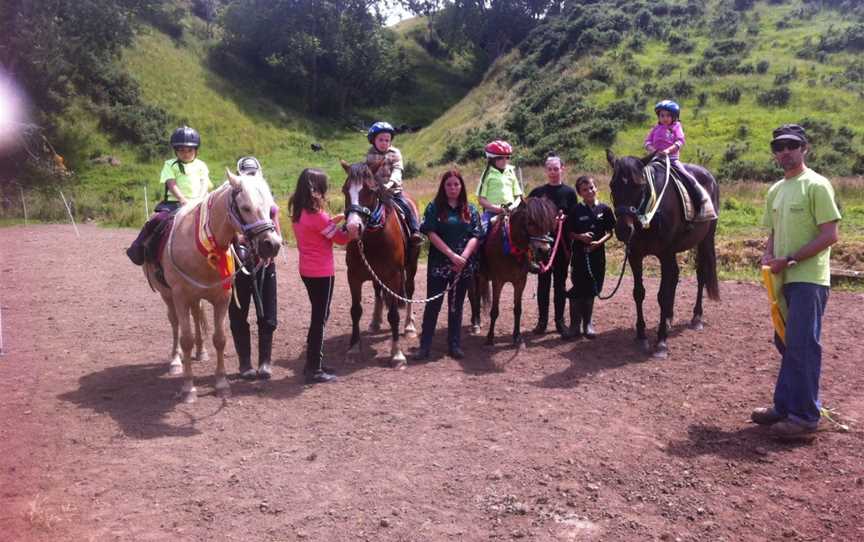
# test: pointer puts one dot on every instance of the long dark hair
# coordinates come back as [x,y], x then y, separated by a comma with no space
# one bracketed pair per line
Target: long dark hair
[441,197]
[309,193]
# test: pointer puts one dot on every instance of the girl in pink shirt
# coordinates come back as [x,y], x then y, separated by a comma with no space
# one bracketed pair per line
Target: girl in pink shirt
[315,232]
[667,138]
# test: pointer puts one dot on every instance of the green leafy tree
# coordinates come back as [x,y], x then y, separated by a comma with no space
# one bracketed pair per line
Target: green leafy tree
[333,54]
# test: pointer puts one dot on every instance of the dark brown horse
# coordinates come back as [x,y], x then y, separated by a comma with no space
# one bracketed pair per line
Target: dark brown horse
[380,252]
[527,230]
[666,234]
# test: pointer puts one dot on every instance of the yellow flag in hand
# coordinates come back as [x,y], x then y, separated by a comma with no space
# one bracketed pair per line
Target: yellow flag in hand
[775,295]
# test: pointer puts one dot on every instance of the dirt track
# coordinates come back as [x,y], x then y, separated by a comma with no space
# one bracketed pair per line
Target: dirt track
[566,441]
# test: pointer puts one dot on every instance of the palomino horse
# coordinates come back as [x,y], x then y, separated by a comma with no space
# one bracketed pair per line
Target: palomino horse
[196,266]
[527,230]
[664,236]
[380,252]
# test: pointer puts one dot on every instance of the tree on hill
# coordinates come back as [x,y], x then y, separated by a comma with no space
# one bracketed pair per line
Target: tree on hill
[60,51]
[334,54]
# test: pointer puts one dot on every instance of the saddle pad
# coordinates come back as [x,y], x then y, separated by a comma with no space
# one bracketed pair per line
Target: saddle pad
[689,212]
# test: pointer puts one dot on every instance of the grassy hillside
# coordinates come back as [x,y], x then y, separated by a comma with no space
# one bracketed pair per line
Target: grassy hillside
[233,120]
[717,131]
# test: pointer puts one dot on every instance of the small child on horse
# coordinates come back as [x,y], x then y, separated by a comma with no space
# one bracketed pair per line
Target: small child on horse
[499,186]
[380,136]
[667,138]
[186,178]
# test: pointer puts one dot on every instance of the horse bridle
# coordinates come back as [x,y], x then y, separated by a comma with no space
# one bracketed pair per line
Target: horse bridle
[250,231]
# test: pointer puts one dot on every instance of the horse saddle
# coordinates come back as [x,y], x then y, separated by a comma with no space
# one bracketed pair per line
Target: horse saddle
[157,241]
[688,193]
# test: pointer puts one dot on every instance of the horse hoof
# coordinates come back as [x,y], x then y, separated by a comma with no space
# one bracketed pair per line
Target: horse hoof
[190,396]
[661,352]
[475,330]
[696,324]
[399,362]
[223,389]
[410,334]
[521,346]
[375,327]
[645,346]
[175,369]
[203,355]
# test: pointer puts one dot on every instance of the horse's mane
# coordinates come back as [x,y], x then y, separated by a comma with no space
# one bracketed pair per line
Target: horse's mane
[540,211]
[359,170]
[630,167]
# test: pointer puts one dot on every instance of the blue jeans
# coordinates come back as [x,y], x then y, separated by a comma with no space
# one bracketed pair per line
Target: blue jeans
[407,212]
[796,395]
[456,299]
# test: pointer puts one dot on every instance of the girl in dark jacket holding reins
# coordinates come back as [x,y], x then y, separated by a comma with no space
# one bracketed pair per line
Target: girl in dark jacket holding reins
[453,228]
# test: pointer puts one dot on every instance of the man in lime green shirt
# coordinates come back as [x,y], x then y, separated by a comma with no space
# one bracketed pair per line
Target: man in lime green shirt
[802,217]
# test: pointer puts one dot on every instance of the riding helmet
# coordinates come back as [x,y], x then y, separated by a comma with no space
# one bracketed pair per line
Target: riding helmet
[248,165]
[380,127]
[498,149]
[668,105]
[185,137]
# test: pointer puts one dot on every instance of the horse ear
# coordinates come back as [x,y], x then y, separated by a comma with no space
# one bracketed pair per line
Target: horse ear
[647,159]
[610,157]
[233,179]
[345,165]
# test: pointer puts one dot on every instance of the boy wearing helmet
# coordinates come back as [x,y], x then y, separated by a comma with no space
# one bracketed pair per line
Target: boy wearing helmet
[186,178]
[667,138]
[499,186]
[380,136]
[258,283]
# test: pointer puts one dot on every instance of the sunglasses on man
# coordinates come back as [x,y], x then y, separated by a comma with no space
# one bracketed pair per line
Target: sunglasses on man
[785,144]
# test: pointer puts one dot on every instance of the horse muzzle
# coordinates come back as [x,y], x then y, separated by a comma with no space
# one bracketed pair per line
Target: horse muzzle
[268,246]
[625,227]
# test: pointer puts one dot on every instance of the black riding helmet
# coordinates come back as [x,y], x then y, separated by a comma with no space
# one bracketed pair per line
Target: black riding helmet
[185,137]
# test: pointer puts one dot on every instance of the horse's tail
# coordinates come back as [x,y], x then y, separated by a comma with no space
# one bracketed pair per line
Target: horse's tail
[706,263]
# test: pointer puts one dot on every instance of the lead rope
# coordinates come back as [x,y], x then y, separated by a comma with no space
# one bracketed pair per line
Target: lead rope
[391,292]
[620,275]
[549,262]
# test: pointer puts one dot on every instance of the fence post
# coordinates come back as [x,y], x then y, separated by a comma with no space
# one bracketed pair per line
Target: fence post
[23,203]
[69,210]
[146,205]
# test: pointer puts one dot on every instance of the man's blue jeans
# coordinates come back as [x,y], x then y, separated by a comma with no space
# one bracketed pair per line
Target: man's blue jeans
[796,395]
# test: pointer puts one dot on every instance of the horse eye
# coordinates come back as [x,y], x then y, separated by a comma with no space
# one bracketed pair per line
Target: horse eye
[246,209]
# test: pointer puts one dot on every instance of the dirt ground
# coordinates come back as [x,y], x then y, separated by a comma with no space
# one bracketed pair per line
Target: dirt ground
[564,441]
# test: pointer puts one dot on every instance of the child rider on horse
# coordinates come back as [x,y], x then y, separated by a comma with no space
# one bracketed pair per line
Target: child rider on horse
[499,186]
[258,283]
[667,138]
[186,179]
[381,135]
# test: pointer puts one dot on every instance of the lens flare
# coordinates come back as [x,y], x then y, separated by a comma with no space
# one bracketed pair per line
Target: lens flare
[12,112]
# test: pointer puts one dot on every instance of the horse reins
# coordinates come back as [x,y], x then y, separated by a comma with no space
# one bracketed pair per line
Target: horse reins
[643,219]
[380,283]
[548,265]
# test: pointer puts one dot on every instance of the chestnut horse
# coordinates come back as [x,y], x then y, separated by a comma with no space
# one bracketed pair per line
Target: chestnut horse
[195,262]
[636,183]
[527,230]
[379,251]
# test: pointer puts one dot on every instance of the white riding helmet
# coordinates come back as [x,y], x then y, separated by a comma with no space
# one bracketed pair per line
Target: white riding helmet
[248,165]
